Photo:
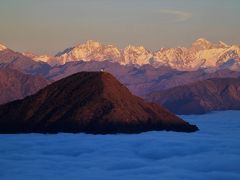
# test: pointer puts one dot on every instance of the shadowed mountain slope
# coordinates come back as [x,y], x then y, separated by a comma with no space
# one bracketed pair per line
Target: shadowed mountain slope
[91,102]
[201,97]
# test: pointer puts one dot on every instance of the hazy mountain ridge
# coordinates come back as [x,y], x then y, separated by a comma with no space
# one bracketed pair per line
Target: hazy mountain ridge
[16,85]
[200,97]
[15,60]
[140,80]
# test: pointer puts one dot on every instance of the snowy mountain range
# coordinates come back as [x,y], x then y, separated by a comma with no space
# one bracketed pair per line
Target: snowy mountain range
[142,71]
[201,54]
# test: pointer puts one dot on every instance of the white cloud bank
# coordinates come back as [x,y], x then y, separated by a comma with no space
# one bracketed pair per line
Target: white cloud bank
[180,16]
[211,153]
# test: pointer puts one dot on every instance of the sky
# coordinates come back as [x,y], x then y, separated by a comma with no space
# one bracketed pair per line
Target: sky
[49,26]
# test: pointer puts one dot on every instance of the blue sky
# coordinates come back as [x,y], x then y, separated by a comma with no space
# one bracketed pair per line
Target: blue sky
[48,26]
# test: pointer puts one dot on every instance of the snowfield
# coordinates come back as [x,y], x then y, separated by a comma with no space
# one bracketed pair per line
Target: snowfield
[211,153]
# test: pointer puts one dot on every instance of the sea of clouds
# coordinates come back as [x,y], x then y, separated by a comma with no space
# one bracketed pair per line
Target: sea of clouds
[211,153]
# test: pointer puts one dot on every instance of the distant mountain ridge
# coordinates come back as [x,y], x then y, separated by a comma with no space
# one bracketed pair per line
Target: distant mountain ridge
[16,85]
[15,60]
[201,54]
[201,96]
[141,79]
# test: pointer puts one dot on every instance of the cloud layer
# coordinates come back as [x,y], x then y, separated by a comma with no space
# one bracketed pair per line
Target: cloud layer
[180,16]
[211,153]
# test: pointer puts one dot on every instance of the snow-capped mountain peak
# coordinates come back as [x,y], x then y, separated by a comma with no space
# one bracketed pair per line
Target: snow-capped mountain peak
[44,58]
[52,60]
[90,44]
[136,55]
[91,50]
[93,44]
[223,44]
[136,49]
[2,47]
[201,44]
[202,40]
[202,54]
